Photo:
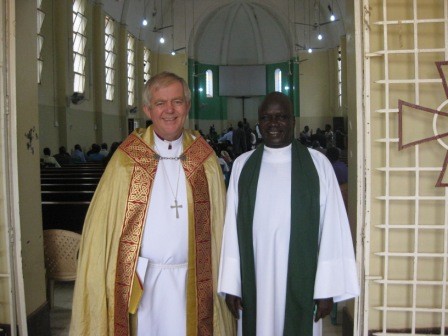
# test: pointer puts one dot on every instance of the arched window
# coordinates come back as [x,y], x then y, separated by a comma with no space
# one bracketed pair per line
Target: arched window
[40,40]
[339,77]
[146,64]
[109,32]
[278,80]
[131,69]
[209,84]
[79,45]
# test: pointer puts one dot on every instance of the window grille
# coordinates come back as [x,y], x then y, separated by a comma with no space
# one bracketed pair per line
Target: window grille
[40,40]
[209,84]
[110,57]
[339,60]
[79,45]
[131,69]
[146,64]
[406,232]
[278,80]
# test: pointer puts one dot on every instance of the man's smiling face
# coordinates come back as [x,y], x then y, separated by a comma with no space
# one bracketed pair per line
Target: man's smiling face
[276,120]
[168,110]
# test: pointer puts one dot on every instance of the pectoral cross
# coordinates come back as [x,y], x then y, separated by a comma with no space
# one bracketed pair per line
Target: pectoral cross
[175,206]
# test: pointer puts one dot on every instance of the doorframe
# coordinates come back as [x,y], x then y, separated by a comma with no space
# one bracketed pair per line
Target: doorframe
[9,175]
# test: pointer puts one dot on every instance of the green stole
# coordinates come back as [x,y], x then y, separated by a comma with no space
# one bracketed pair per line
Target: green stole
[303,245]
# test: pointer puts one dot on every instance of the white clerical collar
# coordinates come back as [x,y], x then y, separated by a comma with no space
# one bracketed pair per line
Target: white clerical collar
[277,154]
[162,143]
[171,148]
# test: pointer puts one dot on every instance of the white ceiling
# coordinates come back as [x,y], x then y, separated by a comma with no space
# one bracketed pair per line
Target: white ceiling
[231,32]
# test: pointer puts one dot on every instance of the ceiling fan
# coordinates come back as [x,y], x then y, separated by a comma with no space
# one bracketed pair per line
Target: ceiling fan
[306,48]
[297,59]
[316,24]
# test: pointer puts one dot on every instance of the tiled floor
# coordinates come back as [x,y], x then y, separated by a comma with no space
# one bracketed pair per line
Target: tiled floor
[60,314]
[329,329]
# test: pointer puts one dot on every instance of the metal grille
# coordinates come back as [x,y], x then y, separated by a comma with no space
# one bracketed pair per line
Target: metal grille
[406,234]
[79,46]
[131,69]
[146,64]
[40,40]
[110,57]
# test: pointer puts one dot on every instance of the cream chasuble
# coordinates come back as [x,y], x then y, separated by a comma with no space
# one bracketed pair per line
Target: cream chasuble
[336,270]
[130,228]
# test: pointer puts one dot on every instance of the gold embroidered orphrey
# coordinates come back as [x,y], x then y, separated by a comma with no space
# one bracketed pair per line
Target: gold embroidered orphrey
[139,194]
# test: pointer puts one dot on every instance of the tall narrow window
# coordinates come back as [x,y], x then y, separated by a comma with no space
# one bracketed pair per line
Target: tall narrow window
[131,69]
[278,80]
[146,64]
[339,77]
[209,84]
[40,40]
[79,45]
[110,57]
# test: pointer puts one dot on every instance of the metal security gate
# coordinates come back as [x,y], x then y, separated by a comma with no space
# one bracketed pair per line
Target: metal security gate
[405,235]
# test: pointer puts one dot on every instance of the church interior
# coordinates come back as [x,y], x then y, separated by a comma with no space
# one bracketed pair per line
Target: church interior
[73,72]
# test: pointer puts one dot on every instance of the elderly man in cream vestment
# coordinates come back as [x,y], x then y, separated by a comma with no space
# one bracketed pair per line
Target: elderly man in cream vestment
[152,237]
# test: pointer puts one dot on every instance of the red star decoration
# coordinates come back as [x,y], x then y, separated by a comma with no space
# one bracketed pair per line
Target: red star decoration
[442,67]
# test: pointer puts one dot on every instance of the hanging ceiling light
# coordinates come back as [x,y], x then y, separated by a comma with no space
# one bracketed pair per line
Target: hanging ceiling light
[330,8]
[144,21]
[310,50]
[317,24]
[158,30]
[174,51]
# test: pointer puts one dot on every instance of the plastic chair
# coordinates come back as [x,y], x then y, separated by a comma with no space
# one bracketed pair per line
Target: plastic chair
[61,257]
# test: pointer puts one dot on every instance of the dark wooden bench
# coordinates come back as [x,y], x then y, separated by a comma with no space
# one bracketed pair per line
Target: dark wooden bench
[70,172]
[68,186]
[66,194]
[68,180]
[64,215]
[83,165]
[62,196]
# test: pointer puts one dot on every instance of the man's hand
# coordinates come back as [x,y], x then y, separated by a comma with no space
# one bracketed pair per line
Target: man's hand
[323,308]
[234,304]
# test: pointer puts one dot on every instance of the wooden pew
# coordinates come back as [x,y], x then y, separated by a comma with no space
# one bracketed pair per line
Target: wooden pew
[64,215]
[71,172]
[66,194]
[84,165]
[69,180]
[69,186]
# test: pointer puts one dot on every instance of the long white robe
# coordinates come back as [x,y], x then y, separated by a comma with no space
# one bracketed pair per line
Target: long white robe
[163,261]
[336,274]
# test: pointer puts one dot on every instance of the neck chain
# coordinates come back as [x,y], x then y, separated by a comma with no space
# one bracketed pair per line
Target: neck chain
[180,157]
[161,158]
